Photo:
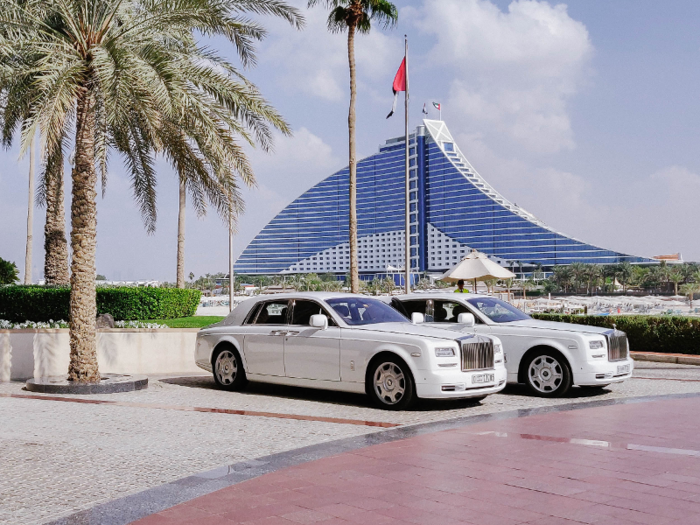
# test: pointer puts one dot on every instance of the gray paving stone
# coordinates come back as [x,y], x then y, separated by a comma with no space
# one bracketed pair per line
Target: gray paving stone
[61,458]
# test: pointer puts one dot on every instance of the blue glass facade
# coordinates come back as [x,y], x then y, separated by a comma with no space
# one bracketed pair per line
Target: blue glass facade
[452,208]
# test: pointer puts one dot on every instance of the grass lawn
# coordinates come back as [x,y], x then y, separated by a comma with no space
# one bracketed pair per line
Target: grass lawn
[199,321]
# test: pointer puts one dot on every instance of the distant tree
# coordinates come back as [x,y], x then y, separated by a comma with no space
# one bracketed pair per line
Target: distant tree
[624,274]
[100,277]
[549,286]
[689,290]
[9,274]
[676,276]
[355,16]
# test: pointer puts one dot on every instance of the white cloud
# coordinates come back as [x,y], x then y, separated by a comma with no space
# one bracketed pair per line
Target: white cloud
[315,62]
[656,214]
[513,71]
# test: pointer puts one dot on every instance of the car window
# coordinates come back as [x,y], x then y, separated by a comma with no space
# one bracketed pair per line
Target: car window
[272,312]
[363,310]
[414,306]
[496,310]
[448,311]
[303,310]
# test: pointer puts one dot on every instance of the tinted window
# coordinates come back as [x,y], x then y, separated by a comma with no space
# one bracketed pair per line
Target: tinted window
[273,312]
[303,310]
[496,310]
[362,310]
[414,306]
[448,311]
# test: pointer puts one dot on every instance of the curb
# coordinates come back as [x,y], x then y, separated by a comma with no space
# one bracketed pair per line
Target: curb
[679,359]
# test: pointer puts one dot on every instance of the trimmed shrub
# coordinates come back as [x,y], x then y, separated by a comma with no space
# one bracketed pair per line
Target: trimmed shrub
[646,333]
[125,303]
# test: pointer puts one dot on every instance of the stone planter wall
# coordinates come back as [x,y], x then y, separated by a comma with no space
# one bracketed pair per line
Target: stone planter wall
[40,353]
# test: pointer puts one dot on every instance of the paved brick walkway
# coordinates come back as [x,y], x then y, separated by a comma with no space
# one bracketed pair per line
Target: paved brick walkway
[620,464]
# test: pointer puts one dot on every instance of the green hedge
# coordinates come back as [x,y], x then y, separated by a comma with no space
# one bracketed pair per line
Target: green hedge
[646,333]
[40,303]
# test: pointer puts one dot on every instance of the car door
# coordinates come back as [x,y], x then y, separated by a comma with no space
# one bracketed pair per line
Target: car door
[311,353]
[264,341]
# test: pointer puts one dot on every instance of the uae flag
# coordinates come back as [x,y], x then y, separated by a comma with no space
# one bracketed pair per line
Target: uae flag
[437,106]
[399,85]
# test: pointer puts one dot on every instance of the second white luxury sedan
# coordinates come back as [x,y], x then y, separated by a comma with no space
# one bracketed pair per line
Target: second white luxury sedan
[548,356]
[350,343]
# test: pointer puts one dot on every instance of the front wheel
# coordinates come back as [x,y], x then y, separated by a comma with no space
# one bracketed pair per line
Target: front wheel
[548,374]
[228,369]
[391,385]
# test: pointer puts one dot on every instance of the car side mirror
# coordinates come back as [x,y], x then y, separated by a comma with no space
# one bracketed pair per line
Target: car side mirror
[319,321]
[466,319]
[417,318]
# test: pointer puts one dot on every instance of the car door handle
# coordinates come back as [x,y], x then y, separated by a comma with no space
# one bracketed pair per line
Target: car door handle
[292,333]
[278,332]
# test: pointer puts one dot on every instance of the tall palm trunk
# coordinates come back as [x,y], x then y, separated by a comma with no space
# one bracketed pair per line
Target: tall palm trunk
[181,236]
[83,307]
[55,245]
[352,166]
[30,217]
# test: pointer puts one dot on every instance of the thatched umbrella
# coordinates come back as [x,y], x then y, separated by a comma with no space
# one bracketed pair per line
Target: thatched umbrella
[476,267]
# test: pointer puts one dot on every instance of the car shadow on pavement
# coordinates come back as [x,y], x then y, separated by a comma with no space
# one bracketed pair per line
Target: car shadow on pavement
[576,392]
[321,396]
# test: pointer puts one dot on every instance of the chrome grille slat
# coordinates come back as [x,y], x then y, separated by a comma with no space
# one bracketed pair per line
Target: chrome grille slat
[618,347]
[477,355]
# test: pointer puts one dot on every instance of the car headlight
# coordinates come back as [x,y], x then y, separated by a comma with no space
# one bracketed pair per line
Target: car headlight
[445,352]
[497,348]
[596,345]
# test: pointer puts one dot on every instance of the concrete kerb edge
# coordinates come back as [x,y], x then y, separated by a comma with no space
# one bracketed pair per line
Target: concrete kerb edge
[133,507]
[679,359]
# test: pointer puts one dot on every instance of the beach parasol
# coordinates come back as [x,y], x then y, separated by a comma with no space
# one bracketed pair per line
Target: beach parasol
[476,267]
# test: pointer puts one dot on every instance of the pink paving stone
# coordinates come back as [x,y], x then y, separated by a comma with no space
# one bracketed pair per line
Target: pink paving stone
[458,477]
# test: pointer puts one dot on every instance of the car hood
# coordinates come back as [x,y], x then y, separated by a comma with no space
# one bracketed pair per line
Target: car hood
[406,329]
[552,325]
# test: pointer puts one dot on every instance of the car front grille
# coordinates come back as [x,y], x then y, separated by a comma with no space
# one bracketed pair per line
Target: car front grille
[477,355]
[618,348]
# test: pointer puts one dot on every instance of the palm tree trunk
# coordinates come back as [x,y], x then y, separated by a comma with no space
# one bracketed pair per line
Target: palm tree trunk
[55,245]
[83,307]
[30,217]
[352,167]
[181,237]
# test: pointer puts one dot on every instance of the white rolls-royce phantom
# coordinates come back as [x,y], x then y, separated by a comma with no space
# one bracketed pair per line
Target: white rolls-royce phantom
[350,343]
[548,356]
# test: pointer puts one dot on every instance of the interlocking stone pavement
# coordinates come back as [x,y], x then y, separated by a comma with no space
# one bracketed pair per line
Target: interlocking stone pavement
[59,458]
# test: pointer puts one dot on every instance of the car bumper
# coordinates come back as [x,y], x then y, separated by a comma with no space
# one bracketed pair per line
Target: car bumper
[455,384]
[604,373]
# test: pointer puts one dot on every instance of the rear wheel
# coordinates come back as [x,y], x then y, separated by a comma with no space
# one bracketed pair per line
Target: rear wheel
[228,369]
[548,374]
[391,385]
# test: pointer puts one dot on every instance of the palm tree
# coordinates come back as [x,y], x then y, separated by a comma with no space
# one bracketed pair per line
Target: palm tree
[624,274]
[676,277]
[131,76]
[55,246]
[355,16]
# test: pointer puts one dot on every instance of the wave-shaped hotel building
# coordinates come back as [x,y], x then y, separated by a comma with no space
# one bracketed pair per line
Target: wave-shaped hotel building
[452,210]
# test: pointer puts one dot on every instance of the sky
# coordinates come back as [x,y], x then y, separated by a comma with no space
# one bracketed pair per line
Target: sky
[586,113]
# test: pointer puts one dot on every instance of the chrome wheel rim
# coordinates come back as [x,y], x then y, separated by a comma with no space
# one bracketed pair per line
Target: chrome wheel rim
[226,367]
[389,383]
[546,374]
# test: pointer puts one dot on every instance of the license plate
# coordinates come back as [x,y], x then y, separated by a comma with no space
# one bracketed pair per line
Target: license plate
[623,369]
[482,378]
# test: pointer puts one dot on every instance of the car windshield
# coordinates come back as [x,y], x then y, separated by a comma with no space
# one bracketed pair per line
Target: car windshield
[362,310]
[496,310]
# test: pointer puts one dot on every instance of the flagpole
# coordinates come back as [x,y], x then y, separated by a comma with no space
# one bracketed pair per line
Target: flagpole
[408,187]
